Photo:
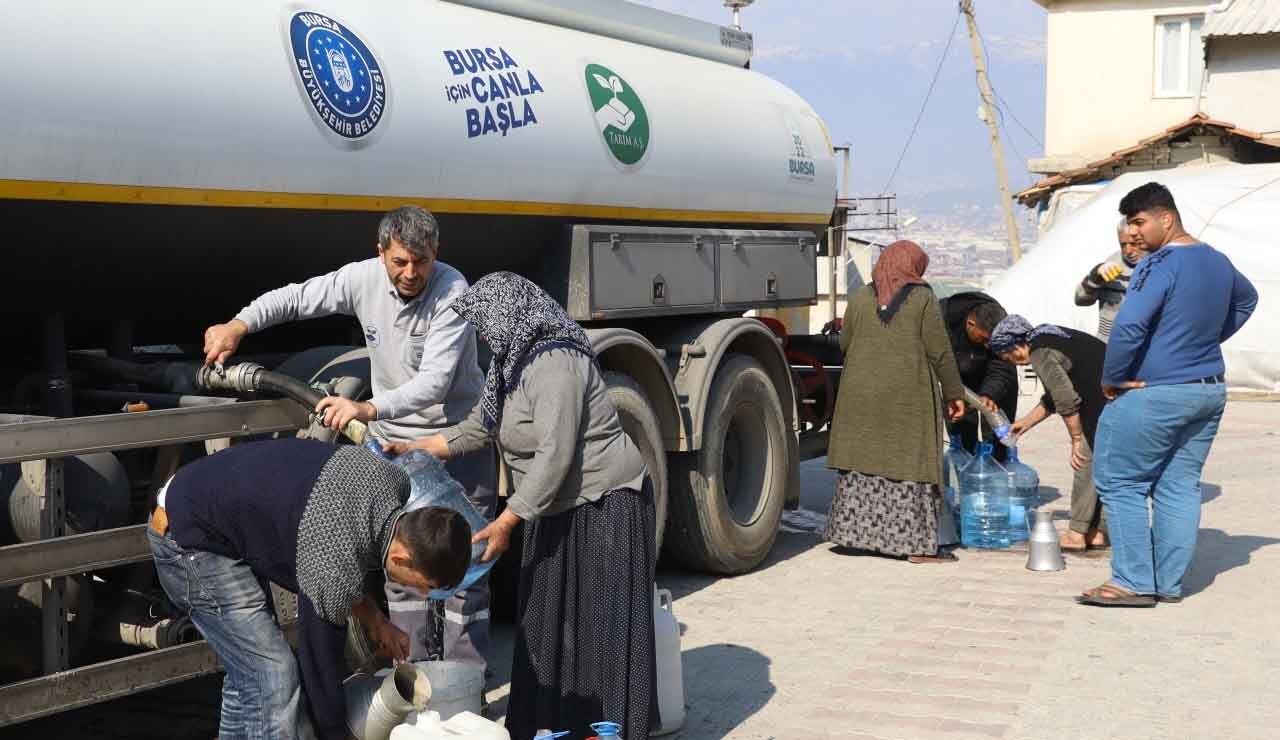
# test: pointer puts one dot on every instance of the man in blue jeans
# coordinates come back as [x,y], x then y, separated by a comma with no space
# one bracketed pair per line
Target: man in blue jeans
[1164,376]
[317,519]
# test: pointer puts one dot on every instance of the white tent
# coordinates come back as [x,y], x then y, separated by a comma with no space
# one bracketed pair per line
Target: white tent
[1233,207]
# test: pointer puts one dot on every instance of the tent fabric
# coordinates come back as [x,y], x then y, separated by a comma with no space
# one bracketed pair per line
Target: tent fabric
[1232,207]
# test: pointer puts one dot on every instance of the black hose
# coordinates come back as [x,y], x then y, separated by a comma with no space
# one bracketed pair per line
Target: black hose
[289,386]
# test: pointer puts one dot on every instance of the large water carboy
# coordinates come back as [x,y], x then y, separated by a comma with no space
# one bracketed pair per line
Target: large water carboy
[984,502]
[954,460]
[1024,496]
[666,641]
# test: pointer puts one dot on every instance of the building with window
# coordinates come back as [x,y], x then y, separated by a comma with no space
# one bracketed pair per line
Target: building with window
[1154,84]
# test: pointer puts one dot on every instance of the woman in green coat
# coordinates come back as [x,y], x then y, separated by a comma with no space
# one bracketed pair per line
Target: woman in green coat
[886,435]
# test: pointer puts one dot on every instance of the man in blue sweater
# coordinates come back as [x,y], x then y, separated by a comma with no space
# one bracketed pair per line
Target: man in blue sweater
[320,520]
[1164,376]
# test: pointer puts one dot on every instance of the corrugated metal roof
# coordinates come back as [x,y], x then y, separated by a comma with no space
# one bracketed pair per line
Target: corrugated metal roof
[1243,18]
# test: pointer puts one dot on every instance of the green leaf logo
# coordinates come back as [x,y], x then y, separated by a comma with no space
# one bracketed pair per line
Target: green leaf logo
[620,115]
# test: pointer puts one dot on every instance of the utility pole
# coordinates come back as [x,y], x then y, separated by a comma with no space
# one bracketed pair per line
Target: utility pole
[988,115]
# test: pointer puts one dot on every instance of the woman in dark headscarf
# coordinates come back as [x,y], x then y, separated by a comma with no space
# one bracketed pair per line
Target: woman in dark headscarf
[1069,365]
[886,435]
[585,642]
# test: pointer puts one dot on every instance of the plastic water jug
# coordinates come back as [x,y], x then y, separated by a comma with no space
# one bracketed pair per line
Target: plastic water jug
[606,731]
[984,502]
[954,459]
[666,641]
[463,726]
[1024,496]
[433,486]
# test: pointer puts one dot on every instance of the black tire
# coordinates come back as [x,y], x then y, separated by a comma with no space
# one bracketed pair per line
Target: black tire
[727,498]
[641,424]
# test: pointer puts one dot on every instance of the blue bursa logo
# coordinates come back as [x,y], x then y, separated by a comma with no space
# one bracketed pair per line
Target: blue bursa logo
[340,77]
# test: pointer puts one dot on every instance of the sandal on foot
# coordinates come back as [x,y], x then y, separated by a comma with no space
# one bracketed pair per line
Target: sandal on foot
[1071,547]
[941,557]
[1109,594]
[1168,599]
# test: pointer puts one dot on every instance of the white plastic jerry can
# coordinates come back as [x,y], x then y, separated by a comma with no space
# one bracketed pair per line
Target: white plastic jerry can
[666,643]
[461,726]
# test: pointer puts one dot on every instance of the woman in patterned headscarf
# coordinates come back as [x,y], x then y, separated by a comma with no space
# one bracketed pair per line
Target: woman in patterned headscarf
[585,642]
[1069,365]
[886,435]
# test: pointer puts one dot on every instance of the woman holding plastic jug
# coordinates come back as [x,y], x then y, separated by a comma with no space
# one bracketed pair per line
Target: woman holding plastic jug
[886,435]
[585,639]
[1069,364]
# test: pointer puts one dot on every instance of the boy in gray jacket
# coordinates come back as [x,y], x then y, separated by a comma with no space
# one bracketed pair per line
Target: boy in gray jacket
[1107,283]
[425,378]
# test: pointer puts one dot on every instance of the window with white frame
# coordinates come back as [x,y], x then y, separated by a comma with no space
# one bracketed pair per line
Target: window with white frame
[1179,56]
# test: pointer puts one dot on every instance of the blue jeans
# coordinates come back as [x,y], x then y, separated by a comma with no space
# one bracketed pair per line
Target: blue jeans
[261,694]
[1152,442]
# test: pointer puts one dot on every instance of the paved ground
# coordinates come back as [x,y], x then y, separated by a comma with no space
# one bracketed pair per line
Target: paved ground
[818,645]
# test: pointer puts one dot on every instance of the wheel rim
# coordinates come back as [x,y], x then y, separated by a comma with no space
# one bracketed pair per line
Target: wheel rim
[745,464]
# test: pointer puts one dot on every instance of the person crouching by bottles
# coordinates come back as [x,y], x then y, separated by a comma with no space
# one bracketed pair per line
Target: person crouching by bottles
[585,642]
[1069,364]
[886,434]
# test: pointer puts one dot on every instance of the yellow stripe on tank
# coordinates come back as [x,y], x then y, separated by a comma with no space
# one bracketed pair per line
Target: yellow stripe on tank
[169,196]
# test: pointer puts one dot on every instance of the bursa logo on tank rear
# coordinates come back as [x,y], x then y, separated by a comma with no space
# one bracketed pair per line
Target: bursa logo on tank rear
[339,77]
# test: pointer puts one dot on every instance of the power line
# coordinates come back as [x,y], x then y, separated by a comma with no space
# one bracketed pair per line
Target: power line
[915,126]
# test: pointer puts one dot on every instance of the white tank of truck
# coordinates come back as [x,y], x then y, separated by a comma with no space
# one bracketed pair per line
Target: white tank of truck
[253,142]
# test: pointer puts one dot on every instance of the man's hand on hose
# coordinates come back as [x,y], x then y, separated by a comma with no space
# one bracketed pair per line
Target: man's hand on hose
[955,409]
[336,412]
[222,340]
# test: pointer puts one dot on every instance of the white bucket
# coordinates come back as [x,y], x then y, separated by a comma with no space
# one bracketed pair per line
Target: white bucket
[456,686]
[666,644]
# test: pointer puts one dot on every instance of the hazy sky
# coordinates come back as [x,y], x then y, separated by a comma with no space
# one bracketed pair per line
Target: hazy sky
[865,67]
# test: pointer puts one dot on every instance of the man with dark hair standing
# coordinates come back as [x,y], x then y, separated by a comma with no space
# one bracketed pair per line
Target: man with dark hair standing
[1164,374]
[970,319]
[314,518]
[1108,281]
[425,376]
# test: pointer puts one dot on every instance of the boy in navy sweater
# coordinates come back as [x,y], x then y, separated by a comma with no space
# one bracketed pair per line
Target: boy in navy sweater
[1165,378]
[314,518]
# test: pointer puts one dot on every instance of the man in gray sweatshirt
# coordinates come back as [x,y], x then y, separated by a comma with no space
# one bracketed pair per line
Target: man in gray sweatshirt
[1108,281]
[425,375]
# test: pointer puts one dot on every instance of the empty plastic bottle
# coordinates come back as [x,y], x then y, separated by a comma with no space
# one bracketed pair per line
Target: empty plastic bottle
[1000,426]
[433,486]
[1024,496]
[954,459]
[984,502]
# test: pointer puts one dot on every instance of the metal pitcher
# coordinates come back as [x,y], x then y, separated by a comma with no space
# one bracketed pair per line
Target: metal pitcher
[1044,552]
[376,704]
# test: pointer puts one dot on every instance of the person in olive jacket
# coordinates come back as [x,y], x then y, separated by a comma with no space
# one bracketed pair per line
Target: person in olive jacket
[970,318]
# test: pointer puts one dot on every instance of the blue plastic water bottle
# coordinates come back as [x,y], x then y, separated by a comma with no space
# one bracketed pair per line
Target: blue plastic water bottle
[433,486]
[954,460]
[1024,496]
[984,502]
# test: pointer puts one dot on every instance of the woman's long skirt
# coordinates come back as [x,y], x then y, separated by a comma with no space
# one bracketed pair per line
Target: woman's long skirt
[584,645]
[883,515]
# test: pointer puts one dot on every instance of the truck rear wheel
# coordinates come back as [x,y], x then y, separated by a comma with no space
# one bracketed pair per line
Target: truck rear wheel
[641,424]
[727,498]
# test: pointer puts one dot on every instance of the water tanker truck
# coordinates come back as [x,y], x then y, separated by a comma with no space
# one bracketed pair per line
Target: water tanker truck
[166,162]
